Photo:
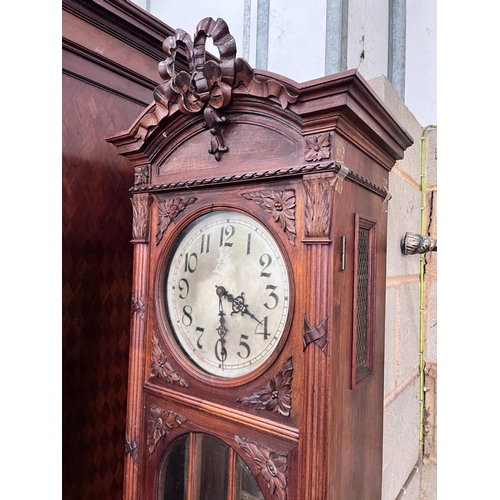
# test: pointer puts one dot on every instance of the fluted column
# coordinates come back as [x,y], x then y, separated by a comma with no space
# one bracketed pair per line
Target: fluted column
[318,263]
[136,349]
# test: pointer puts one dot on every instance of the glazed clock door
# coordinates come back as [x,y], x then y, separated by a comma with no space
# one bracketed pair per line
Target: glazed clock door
[202,467]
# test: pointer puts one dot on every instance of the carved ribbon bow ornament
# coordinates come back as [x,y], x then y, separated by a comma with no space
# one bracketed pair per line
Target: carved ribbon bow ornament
[209,85]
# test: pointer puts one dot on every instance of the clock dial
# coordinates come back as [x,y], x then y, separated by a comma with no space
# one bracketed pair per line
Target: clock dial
[227,293]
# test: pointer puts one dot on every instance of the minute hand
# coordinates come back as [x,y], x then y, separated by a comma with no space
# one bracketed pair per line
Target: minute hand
[238,305]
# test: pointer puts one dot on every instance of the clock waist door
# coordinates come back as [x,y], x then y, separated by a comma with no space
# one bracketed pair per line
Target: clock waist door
[189,458]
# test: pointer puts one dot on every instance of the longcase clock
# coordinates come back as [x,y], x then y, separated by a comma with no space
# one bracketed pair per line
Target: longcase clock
[257,323]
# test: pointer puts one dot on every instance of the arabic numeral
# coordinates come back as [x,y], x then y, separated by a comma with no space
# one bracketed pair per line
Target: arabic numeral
[220,351]
[183,288]
[228,232]
[187,319]
[273,295]
[190,262]
[261,328]
[205,243]
[202,330]
[245,345]
[265,261]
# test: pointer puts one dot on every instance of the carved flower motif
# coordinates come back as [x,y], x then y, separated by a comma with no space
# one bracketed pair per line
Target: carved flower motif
[271,465]
[281,205]
[276,396]
[160,422]
[160,367]
[317,147]
[168,211]
[280,397]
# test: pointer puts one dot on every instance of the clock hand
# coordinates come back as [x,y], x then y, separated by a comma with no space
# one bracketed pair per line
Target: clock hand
[238,305]
[221,329]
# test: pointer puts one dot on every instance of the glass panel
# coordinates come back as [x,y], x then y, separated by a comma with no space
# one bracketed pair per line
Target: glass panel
[211,468]
[173,473]
[246,485]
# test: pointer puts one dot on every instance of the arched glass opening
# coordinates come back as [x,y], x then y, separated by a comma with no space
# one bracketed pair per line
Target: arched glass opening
[202,467]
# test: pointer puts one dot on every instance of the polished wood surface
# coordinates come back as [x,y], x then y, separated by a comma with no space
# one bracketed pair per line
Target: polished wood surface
[106,82]
[331,143]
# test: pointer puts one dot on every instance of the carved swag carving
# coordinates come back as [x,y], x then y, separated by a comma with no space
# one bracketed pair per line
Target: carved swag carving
[270,464]
[209,85]
[276,396]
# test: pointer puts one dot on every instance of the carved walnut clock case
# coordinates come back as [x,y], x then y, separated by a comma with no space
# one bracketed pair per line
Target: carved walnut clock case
[257,325]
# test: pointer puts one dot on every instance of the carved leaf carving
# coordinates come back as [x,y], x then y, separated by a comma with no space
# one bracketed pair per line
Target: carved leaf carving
[318,207]
[140,217]
[160,422]
[271,465]
[276,396]
[168,210]
[161,368]
[281,205]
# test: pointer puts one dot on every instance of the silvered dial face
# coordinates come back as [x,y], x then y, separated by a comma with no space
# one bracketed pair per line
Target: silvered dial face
[227,293]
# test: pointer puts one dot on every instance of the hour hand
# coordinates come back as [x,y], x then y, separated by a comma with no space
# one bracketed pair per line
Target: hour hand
[238,305]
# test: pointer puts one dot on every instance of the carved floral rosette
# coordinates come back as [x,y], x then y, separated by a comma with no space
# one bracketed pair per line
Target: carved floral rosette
[281,205]
[270,464]
[168,210]
[160,422]
[317,147]
[276,395]
[160,366]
